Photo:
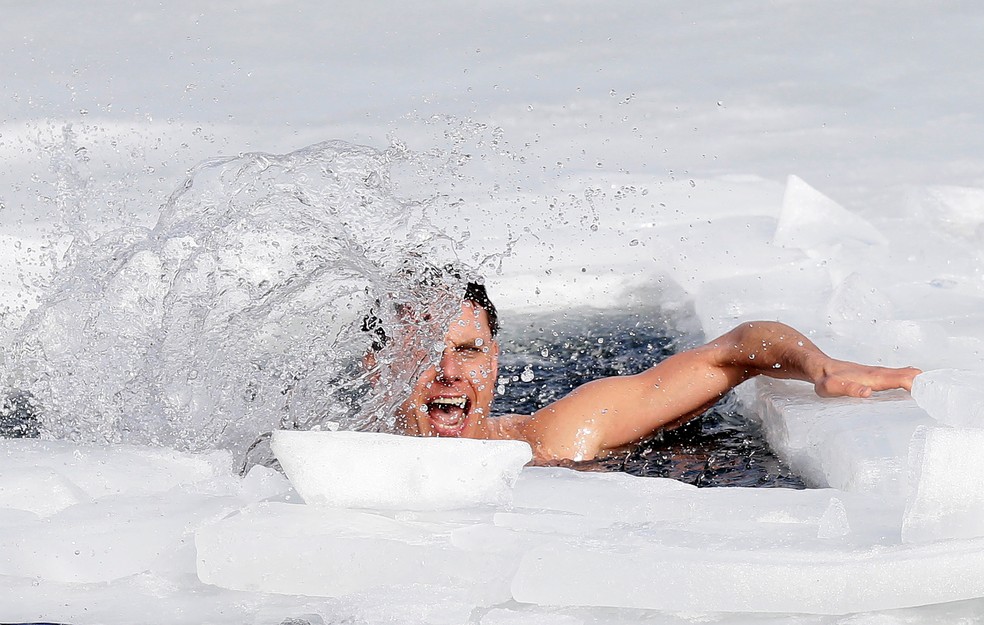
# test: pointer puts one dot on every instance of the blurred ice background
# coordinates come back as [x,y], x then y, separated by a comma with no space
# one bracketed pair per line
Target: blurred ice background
[814,163]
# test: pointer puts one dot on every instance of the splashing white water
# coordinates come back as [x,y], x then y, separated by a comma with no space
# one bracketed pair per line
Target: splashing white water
[240,311]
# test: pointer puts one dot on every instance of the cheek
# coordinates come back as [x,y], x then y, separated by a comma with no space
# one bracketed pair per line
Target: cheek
[481,375]
[424,383]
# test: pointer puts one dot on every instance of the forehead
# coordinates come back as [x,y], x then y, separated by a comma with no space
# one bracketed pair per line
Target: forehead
[472,323]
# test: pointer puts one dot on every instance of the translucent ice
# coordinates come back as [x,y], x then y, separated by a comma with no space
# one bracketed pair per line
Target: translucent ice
[98,471]
[851,444]
[107,539]
[952,397]
[370,470]
[332,552]
[794,293]
[811,221]
[640,573]
[946,485]
[38,490]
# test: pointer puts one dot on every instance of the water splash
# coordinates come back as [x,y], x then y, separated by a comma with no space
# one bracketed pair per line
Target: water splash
[239,311]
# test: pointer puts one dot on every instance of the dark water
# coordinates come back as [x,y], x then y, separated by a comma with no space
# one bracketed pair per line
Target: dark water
[18,416]
[722,448]
[545,357]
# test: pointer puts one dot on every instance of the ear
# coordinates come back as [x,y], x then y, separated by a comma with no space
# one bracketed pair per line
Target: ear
[494,353]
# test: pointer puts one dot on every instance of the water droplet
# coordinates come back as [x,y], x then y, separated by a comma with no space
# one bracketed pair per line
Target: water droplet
[527,374]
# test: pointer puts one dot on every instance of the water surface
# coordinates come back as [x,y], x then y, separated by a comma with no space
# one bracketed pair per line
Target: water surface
[545,357]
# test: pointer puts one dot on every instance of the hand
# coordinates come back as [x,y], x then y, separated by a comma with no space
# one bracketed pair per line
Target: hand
[840,378]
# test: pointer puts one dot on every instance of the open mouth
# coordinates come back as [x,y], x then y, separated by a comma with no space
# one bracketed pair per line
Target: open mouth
[448,414]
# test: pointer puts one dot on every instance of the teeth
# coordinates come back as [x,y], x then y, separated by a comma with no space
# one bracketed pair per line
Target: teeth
[450,401]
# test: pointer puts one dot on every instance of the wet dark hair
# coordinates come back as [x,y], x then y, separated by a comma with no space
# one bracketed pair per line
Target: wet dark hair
[475,293]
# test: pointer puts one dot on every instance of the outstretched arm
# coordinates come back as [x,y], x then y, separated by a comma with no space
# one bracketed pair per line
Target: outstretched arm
[611,412]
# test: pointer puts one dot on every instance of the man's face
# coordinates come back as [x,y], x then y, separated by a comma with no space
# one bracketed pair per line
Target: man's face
[454,398]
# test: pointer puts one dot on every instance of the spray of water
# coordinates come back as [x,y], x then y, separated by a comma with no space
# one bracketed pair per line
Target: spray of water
[240,311]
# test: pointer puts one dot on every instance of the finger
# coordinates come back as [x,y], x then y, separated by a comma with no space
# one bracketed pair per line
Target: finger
[841,387]
[894,378]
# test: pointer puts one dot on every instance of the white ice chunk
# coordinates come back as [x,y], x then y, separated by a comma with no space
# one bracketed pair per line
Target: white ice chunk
[117,469]
[561,502]
[858,445]
[700,251]
[946,485]
[387,471]
[855,299]
[332,552]
[795,293]
[951,396]
[634,572]
[107,539]
[954,209]
[262,482]
[811,221]
[834,523]
[893,342]
[38,490]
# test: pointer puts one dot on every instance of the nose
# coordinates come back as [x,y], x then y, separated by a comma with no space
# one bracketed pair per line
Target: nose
[449,369]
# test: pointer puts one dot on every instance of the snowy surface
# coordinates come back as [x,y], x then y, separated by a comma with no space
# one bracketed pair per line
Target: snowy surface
[819,164]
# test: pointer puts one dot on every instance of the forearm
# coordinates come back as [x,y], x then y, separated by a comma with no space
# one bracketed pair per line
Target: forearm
[773,349]
[610,412]
[778,351]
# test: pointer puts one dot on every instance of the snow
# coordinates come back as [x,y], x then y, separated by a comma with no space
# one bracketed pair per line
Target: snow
[814,163]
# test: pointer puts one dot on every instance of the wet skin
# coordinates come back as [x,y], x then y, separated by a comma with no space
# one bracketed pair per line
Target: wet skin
[454,398]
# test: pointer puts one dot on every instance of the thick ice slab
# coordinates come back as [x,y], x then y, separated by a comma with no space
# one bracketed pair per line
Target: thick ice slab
[851,444]
[333,552]
[98,471]
[603,540]
[617,541]
[946,485]
[639,572]
[88,514]
[952,397]
[385,471]
[37,489]
[108,539]
[812,221]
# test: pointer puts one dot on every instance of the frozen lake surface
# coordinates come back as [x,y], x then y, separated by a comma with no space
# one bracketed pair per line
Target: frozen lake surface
[816,164]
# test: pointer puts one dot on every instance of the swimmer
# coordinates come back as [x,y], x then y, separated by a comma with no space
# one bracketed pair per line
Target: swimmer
[453,398]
